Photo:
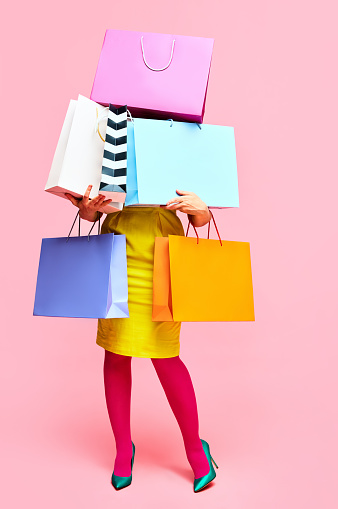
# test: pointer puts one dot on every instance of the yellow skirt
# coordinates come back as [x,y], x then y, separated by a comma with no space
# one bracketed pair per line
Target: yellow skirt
[138,335]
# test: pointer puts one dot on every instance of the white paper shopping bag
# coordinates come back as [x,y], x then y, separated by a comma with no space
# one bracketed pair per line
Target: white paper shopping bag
[77,162]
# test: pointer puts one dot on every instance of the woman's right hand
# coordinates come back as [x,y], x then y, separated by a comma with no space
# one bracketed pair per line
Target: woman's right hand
[88,208]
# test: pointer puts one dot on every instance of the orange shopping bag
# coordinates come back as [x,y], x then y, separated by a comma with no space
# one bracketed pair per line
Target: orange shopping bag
[162,303]
[199,280]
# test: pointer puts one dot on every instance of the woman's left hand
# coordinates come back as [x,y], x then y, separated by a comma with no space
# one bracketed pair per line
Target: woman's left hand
[190,204]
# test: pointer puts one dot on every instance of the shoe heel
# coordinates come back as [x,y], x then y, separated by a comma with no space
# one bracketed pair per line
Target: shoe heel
[214,462]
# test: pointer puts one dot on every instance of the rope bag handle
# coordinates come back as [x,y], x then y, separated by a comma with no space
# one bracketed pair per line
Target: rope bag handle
[103,116]
[98,220]
[160,68]
[212,216]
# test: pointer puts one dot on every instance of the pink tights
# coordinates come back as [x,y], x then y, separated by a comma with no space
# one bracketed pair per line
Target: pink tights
[177,385]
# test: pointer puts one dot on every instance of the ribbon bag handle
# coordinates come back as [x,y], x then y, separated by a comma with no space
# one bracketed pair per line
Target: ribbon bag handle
[194,227]
[100,117]
[160,68]
[212,216]
[98,220]
[104,116]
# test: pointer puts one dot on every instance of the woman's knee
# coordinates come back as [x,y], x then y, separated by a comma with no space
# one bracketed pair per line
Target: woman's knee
[116,361]
[166,363]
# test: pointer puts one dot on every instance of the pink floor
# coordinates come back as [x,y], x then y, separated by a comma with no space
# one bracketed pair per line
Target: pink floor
[267,391]
[266,413]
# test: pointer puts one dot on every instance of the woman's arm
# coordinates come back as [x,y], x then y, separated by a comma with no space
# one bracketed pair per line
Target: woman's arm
[190,204]
[89,209]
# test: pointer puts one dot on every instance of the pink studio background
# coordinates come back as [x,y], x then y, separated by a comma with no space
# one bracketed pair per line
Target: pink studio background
[266,390]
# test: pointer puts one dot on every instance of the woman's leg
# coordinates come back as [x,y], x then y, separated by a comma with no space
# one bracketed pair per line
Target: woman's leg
[117,383]
[177,385]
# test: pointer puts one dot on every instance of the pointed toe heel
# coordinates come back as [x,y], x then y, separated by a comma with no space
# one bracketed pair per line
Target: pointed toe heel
[122,482]
[202,482]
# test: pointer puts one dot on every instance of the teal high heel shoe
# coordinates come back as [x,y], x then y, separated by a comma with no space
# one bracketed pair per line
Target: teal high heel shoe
[202,482]
[122,482]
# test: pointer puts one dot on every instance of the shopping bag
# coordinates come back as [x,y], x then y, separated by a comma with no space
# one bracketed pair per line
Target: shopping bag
[83,277]
[205,280]
[132,190]
[162,300]
[157,75]
[185,156]
[128,157]
[114,163]
[77,162]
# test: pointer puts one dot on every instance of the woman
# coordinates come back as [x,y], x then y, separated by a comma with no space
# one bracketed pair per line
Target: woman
[139,336]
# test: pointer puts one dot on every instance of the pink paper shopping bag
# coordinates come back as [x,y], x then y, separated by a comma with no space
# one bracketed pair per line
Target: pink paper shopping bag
[158,75]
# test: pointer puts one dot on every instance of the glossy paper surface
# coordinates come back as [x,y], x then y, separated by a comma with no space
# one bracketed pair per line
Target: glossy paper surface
[77,161]
[162,302]
[210,282]
[122,76]
[82,279]
[132,193]
[184,156]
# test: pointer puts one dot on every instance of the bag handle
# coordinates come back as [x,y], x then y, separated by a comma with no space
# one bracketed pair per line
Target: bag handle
[172,123]
[161,68]
[102,117]
[90,231]
[212,216]
[98,120]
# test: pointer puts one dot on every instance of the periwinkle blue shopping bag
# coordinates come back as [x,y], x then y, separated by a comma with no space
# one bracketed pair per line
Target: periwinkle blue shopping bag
[185,156]
[83,277]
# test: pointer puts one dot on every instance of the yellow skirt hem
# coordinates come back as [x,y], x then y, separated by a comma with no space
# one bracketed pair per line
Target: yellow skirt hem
[137,353]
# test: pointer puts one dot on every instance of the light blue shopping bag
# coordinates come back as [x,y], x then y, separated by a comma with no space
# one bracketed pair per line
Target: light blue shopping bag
[83,277]
[168,155]
[132,193]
